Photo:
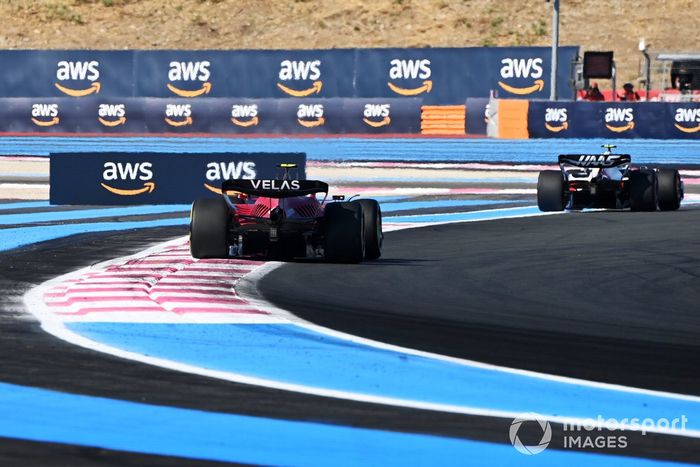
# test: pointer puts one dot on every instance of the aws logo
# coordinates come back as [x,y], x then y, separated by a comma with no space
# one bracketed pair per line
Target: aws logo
[295,70]
[178,115]
[244,115]
[45,115]
[556,119]
[530,68]
[219,171]
[310,115]
[686,116]
[620,119]
[128,172]
[111,115]
[185,72]
[410,69]
[377,115]
[78,71]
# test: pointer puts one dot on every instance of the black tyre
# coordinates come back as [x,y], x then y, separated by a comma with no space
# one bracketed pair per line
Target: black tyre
[670,189]
[643,190]
[344,232]
[372,214]
[208,228]
[550,191]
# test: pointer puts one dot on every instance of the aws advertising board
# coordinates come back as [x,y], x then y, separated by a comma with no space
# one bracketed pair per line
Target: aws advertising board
[157,178]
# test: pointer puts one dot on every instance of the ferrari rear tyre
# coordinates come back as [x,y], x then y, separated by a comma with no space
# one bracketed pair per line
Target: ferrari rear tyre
[372,214]
[643,190]
[208,225]
[550,191]
[670,189]
[344,232]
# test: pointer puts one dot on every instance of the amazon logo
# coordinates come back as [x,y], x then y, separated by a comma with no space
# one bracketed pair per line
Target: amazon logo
[619,119]
[522,68]
[300,70]
[111,115]
[220,171]
[687,120]
[377,115]
[245,115]
[410,70]
[117,174]
[310,115]
[45,115]
[178,115]
[181,73]
[556,119]
[78,71]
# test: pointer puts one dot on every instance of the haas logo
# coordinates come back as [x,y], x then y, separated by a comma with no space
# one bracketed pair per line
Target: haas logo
[522,68]
[244,115]
[78,71]
[296,70]
[178,115]
[619,119]
[372,112]
[128,172]
[310,115]
[685,116]
[410,69]
[189,72]
[556,119]
[597,161]
[45,115]
[111,115]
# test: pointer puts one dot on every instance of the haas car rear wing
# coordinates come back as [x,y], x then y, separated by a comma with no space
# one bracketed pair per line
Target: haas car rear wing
[275,188]
[594,161]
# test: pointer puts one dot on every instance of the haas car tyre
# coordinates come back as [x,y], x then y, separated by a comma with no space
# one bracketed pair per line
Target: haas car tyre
[643,190]
[670,189]
[344,232]
[550,191]
[208,226]
[372,214]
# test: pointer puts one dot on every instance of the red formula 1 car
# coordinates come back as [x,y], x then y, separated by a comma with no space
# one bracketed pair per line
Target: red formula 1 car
[284,219]
[607,181]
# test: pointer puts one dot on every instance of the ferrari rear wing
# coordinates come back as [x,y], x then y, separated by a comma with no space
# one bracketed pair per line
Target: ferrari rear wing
[600,161]
[275,188]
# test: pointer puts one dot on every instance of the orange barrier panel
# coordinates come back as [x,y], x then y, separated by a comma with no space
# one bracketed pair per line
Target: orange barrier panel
[443,119]
[512,119]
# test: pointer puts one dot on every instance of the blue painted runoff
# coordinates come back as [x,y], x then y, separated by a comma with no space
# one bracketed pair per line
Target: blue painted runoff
[23,236]
[396,149]
[50,416]
[441,203]
[468,216]
[51,216]
[24,205]
[290,353]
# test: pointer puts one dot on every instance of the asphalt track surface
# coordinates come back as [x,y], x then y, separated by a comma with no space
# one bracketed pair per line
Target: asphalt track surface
[471,290]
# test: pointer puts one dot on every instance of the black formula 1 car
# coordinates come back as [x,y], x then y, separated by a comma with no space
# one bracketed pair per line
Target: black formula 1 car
[283,219]
[607,181]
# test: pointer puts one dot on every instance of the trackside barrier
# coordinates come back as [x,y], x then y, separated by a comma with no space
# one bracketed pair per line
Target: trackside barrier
[443,119]
[440,76]
[156,178]
[657,120]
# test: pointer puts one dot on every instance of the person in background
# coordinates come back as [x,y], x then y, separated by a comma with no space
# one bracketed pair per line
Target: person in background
[593,93]
[629,94]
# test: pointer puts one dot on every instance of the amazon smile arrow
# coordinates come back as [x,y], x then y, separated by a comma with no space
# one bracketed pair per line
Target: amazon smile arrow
[148,187]
[206,87]
[314,89]
[620,129]
[112,123]
[557,129]
[52,122]
[93,89]
[686,129]
[427,86]
[245,123]
[312,123]
[187,121]
[537,86]
[385,121]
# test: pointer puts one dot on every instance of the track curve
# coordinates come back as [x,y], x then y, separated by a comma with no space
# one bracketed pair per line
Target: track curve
[620,306]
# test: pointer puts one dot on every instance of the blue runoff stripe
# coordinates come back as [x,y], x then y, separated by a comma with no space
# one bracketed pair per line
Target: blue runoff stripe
[441,203]
[468,216]
[23,236]
[51,416]
[293,354]
[24,205]
[396,149]
[52,216]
